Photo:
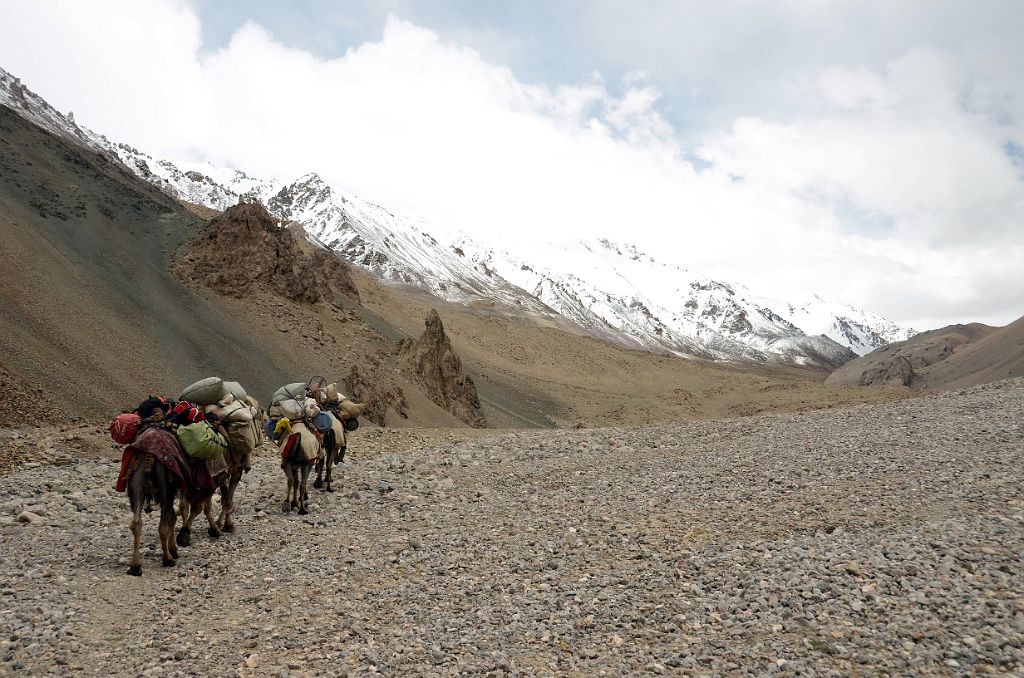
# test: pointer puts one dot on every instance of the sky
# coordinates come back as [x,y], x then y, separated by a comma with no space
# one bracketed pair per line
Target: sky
[870,152]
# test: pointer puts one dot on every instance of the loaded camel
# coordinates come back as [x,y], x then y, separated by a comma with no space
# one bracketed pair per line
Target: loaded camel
[154,469]
[240,424]
[308,434]
[344,418]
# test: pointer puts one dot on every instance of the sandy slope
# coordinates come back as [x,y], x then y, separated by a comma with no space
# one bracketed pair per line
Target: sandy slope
[947,358]
[1000,355]
[87,310]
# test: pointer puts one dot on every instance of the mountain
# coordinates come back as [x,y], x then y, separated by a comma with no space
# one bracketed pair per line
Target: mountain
[951,357]
[609,290]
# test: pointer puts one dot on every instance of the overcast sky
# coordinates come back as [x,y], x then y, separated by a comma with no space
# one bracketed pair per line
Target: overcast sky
[869,151]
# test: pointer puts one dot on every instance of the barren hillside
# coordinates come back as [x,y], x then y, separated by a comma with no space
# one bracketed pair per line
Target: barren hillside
[948,358]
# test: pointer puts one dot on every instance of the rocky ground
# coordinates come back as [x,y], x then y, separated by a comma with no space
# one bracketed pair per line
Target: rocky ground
[878,540]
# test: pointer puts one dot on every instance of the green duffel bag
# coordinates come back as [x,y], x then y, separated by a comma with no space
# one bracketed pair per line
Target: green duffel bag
[207,391]
[296,391]
[201,441]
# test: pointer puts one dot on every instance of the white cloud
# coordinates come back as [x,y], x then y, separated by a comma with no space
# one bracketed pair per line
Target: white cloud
[415,122]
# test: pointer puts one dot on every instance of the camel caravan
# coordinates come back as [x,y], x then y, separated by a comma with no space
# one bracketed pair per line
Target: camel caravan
[188,449]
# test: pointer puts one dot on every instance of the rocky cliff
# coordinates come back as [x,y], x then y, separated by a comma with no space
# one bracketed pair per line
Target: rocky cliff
[432,362]
[245,247]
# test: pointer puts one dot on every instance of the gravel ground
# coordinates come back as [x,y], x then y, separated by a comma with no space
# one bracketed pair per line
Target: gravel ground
[879,540]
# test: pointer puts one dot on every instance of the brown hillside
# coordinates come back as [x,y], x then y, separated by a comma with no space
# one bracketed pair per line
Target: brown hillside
[92,321]
[950,357]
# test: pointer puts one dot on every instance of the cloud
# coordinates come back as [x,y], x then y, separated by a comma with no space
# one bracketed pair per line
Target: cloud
[882,183]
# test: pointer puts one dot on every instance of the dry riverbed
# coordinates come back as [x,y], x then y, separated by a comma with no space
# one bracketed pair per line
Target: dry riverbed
[877,540]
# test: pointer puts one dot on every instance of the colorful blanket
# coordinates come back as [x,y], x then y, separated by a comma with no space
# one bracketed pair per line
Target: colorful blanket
[163,445]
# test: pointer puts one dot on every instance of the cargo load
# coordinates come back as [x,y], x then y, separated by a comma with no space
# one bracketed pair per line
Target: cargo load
[294,391]
[207,391]
[201,441]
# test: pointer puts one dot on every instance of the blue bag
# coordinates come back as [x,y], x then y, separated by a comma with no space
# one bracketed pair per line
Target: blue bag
[322,422]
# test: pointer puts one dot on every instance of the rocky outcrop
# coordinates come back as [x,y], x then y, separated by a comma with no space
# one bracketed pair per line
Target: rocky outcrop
[897,371]
[378,393]
[432,361]
[245,248]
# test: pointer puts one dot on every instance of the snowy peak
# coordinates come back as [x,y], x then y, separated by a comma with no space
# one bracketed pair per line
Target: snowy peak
[862,331]
[34,108]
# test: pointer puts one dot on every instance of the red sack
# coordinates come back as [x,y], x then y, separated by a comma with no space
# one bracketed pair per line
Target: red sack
[124,427]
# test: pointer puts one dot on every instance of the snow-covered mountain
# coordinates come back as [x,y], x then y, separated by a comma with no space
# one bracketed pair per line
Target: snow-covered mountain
[611,290]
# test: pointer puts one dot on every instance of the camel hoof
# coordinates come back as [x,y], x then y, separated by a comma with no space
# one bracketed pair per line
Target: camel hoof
[318,483]
[228,527]
[330,489]
[303,511]
[135,570]
[184,537]
[169,562]
[286,507]
[214,533]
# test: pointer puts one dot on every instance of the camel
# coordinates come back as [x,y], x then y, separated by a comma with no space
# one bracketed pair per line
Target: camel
[149,480]
[153,470]
[243,436]
[299,449]
[335,443]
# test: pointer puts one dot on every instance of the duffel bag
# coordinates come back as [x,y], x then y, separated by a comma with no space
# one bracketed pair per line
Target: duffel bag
[207,391]
[295,391]
[290,408]
[235,389]
[201,441]
[351,410]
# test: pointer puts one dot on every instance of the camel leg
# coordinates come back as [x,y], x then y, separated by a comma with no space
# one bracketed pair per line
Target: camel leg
[319,482]
[135,568]
[167,537]
[183,539]
[185,533]
[302,490]
[288,503]
[222,516]
[330,468]
[208,512]
[227,498]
